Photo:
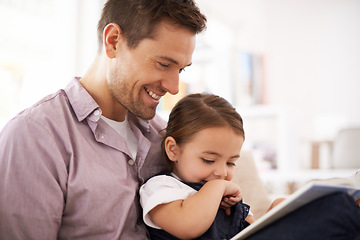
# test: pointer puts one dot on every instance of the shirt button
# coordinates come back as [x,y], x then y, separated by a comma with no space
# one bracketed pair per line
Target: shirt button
[131,162]
[96,112]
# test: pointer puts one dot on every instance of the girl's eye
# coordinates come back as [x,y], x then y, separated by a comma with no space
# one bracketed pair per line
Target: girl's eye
[231,164]
[182,70]
[207,161]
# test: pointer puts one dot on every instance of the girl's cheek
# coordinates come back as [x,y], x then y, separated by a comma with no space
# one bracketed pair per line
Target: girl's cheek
[230,176]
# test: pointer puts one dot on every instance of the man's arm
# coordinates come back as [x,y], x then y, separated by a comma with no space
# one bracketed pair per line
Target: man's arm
[32,183]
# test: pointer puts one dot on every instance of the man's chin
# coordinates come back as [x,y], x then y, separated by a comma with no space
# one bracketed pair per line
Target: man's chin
[145,115]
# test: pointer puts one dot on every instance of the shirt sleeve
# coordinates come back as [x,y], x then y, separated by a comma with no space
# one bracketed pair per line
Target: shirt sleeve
[32,181]
[159,190]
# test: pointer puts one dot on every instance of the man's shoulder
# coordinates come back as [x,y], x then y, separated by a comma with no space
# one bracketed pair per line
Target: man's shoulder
[49,111]
[158,122]
[48,107]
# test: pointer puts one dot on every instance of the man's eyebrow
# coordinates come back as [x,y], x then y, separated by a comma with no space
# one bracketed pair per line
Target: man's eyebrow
[173,60]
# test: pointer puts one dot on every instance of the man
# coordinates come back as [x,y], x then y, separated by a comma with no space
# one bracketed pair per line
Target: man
[71,165]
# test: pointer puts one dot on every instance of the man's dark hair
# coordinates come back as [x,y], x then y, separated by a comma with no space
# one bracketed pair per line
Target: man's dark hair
[138,18]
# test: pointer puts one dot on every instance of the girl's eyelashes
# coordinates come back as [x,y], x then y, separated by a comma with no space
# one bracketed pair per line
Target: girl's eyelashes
[231,164]
[207,161]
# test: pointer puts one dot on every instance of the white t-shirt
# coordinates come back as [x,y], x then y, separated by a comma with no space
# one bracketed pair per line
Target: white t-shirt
[162,189]
[124,129]
[159,190]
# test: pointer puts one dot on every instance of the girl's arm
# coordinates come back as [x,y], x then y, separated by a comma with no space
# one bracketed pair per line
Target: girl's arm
[250,219]
[190,218]
[275,202]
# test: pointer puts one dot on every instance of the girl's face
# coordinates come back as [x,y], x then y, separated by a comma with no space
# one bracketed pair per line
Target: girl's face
[209,154]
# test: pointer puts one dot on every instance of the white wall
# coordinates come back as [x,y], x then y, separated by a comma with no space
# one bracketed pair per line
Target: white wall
[312,60]
[310,48]
[313,63]
[43,44]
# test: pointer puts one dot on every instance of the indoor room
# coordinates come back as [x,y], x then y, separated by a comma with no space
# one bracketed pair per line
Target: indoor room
[291,69]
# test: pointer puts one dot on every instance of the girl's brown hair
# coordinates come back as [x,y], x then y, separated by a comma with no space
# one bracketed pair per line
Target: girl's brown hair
[196,112]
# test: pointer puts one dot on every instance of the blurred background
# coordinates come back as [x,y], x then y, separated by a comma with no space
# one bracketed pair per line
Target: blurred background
[290,67]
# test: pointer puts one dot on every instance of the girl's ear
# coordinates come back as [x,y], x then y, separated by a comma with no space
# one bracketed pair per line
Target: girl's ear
[171,148]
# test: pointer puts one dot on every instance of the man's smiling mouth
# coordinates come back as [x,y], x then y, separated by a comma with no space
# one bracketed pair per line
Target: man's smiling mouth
[152,94]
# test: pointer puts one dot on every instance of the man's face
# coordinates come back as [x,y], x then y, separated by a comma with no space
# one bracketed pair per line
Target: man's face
[140,76]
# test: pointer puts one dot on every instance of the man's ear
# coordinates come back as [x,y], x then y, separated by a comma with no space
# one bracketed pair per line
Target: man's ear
[171,148]
[112,35]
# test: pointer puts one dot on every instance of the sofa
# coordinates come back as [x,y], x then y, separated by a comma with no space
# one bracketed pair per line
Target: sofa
[253,189]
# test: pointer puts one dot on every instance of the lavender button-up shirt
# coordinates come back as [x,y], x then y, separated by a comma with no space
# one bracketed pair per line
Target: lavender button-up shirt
[66,174]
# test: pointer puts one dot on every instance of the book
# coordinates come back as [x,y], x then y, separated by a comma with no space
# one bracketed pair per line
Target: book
[304,195]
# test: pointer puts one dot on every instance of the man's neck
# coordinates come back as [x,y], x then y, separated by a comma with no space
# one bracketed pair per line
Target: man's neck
[95,83]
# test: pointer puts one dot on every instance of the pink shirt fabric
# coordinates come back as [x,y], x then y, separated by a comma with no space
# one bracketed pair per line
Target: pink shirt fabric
[66,174]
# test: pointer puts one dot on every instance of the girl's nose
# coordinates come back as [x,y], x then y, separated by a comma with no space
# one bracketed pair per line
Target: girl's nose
[220,172]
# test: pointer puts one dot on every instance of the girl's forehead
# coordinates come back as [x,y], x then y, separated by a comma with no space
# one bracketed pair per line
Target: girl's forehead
[218,132]
[216,139]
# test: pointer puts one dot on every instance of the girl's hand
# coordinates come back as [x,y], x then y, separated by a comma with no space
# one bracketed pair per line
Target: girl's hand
[227,203]
[230,200]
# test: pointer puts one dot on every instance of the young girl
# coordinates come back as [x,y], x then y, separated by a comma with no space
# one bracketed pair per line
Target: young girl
[196,199]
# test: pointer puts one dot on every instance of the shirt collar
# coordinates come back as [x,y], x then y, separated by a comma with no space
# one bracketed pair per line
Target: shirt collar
[81,101]
[84,105]
[175,176]
[143,123]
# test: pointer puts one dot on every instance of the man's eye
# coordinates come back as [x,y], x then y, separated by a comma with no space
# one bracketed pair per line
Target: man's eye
[164,65]
[182,70]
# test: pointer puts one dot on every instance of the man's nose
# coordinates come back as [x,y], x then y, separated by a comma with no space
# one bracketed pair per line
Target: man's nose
[171,83]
